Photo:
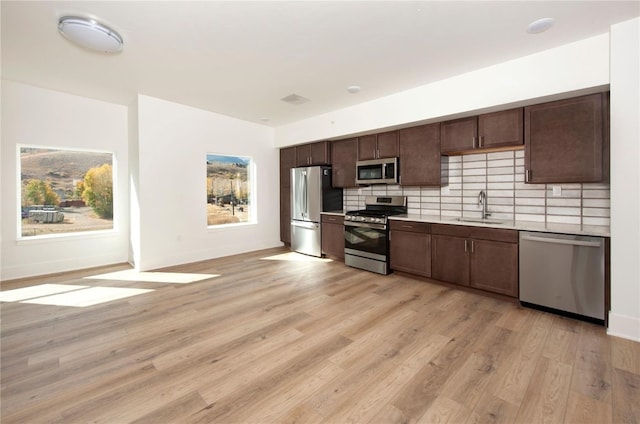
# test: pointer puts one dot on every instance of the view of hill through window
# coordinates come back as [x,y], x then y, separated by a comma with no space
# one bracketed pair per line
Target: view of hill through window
[65,191]
[228,189]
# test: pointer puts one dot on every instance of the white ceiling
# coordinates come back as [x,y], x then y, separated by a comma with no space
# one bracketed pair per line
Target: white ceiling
[240,58]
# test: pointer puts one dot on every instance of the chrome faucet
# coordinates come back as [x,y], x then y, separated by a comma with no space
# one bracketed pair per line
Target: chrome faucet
[482,201]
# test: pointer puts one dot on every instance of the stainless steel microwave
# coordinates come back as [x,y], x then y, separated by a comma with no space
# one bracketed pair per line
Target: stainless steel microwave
[377,171]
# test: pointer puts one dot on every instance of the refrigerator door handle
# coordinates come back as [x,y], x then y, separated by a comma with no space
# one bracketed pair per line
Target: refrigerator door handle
[305,200]
[305,224]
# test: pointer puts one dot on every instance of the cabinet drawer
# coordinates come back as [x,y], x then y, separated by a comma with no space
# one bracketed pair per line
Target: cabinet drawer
[333,219]
[451,230]
[413,226]
[495,234]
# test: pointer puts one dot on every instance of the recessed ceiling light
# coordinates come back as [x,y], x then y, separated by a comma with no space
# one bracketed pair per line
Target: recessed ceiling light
[540,25]
[90,34]
[353,89]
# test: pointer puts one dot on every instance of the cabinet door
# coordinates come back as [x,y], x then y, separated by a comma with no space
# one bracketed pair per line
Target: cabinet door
[285,215]
[333,238]
[344,154]
[494,266]
[388,145]
[367,145]
[287,161]
[450,259]
[564,141]
[459,135]
[313,154]
[420,156]
[320,153]
[303,155]
[501,129]
[410,252]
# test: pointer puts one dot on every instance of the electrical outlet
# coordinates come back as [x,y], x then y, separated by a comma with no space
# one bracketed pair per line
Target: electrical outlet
[557,190]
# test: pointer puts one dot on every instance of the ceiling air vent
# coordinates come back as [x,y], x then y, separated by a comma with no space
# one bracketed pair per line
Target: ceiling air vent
[294,99]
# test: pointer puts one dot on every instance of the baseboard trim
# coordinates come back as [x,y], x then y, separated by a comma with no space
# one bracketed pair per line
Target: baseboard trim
[624,326]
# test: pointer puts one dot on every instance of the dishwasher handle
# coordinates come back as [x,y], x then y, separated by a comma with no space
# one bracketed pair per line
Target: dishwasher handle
[562,241]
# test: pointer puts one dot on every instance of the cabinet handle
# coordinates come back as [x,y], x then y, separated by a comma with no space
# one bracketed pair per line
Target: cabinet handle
[473,141]
[527,175]
[465,246]
[480,141]
[471,246]
[407,226]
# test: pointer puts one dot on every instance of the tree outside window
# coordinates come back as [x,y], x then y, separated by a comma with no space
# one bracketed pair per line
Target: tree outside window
[65,191]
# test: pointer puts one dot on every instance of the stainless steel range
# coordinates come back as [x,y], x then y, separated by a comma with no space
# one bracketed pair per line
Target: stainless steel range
[366,233]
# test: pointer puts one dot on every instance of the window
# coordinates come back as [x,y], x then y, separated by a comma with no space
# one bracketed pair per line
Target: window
[65,191]
[229,190]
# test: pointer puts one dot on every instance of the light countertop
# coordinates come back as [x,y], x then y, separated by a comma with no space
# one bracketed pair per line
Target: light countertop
[585,230]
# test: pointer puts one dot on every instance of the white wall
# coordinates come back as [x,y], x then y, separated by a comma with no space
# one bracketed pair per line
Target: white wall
[35,116]
[573,67]
[625,180]
[173,141]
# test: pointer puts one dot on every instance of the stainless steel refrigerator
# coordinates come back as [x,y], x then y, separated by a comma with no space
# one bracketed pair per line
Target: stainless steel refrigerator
[311,193]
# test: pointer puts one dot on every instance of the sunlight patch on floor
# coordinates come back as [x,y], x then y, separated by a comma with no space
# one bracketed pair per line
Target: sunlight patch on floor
[68,294]
[40,290]
[295,257]
[153,277]
[87,297]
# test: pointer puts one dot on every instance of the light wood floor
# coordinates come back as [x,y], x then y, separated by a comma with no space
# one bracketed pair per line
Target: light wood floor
[306,341]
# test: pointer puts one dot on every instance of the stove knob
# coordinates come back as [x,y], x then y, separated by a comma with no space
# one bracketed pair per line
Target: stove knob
[362,219]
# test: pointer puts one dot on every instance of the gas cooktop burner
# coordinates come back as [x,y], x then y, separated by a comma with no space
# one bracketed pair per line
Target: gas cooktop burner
[364,212]
[378,208]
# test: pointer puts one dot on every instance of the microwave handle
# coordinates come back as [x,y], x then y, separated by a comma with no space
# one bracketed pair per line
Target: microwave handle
[384,170]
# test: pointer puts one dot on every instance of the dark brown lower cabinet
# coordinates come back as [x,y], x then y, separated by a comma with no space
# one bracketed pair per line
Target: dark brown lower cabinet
[450,260]
[333,236]
[410,247]
[483,258]
[494,266]
[285,216]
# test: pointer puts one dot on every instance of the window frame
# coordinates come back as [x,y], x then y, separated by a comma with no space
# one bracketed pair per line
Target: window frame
[252,202]
[72,234]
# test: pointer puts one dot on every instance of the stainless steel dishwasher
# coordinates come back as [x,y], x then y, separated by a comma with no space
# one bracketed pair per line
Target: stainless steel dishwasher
[563,273]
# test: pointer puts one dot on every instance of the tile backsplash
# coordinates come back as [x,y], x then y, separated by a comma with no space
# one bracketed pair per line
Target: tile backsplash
[501,176]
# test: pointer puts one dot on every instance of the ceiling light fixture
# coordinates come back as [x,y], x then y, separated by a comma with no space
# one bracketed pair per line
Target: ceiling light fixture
[353,89]
[295,99]
[90,34]
[540,25]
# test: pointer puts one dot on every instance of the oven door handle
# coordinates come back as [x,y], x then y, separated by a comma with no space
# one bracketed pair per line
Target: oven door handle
[365,225]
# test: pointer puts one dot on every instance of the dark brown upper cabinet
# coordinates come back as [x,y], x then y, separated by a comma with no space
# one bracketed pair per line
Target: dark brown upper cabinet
[420,155]
[566,141]
[318,153]
[344,154]
[287,161]
[378,146]
[490,131]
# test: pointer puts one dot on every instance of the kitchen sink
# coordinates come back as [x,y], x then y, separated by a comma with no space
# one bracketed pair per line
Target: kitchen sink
[480,220]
